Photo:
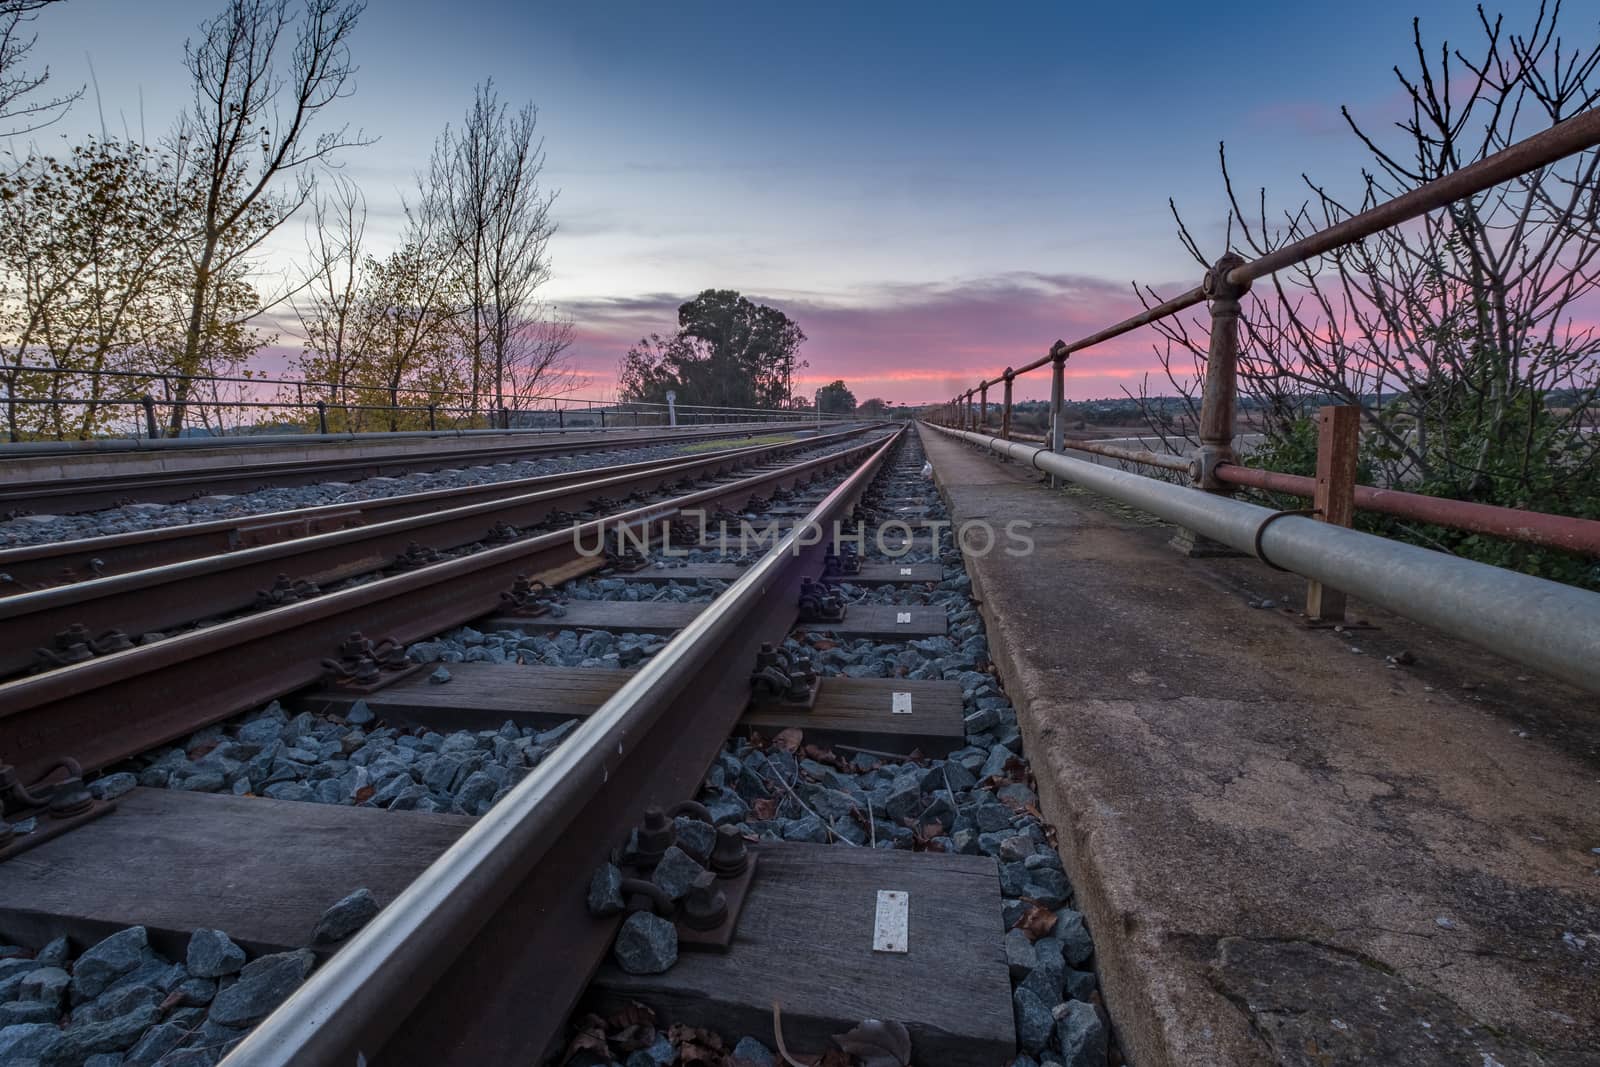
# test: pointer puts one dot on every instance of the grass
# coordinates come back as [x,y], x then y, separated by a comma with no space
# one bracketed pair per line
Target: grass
[736,442]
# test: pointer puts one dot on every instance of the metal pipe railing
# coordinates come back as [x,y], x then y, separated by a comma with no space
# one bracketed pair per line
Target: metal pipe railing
[1230,277]
[1545,625]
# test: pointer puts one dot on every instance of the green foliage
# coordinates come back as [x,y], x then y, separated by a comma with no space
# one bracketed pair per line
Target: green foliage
[835,398]
[728,351]
[1557,478]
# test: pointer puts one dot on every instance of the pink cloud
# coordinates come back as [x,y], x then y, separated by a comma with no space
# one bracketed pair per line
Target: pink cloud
[916,343]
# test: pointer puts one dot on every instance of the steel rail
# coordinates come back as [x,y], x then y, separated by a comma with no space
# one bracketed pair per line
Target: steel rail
[31,567]
[1545,625]
[107,708]
[67,495]
[482,957]
[1529,527]
[159,598]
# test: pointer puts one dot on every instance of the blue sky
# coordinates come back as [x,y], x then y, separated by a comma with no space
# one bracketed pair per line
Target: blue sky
[931,190]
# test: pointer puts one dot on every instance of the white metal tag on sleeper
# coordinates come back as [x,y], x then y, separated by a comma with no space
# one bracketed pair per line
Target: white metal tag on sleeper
[902,616]
[900,704]
[891,927]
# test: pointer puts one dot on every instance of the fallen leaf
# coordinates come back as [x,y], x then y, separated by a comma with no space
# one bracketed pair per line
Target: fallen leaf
[789,740]
[364,794]
[590,1037]
[877,1043]
[1036,921]
[764,808]
[203,749]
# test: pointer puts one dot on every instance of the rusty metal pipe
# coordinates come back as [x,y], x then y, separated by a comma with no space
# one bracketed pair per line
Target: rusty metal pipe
[1511,524]
[1580,132]
[1546,625]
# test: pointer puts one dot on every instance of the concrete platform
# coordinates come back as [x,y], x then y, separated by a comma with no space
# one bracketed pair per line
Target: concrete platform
[1289,852]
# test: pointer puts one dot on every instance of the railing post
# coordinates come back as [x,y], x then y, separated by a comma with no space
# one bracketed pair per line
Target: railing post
[322,417]
[1219,401]
[1005,412]
[433,416]
[151,429]
[1221,396]
[602,418]
[983,406]
[1338,446]
[561,416]
[1058,384]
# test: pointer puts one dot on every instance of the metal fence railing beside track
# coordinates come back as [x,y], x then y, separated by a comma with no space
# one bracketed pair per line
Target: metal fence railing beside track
[326,408]
[1545,624]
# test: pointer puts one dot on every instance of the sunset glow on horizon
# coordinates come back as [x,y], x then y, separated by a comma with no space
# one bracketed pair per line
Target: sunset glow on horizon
[931,193]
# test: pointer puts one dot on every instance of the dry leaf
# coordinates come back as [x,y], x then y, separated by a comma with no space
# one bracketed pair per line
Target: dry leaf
[789,740]
[364,794]
[764,808]
[1036,921]
[877,1043]
[590,1037]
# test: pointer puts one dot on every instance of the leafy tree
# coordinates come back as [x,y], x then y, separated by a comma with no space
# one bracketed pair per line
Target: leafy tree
[728,351]
[874,407]
[257,98]
[835,398]
[89,252]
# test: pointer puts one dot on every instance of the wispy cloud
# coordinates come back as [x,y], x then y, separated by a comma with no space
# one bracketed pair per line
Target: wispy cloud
[912,342]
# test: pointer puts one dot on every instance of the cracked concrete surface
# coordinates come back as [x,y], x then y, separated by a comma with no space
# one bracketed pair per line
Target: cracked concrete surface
[1289,852]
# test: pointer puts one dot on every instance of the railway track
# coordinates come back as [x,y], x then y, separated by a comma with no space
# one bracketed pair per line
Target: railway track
[53,625]
[69,495]
[488,939]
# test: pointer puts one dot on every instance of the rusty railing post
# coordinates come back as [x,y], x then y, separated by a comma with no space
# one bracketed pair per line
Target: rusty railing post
[322,417]
[1005,412]
[433,416]
[1221,396]
[1338,446]
[1058,416]
[1219,402]
[151,429]
[983,406]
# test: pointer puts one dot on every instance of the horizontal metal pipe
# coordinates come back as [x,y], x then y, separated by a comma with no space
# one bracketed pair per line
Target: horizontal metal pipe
[1131,455]
[1511,524]
[1580,132]
[1546,625]
[1144,318]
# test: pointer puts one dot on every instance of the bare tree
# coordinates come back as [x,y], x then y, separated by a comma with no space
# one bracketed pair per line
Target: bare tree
[328,305]
[18,86]
[257,98]
[485,178]
[1461,336]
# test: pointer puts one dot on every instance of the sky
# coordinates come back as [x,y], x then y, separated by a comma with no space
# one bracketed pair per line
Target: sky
[932,191]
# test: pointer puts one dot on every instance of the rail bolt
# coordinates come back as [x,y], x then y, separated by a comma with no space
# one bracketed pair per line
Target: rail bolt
[706,906]
[70,798]
[652,838]
[729,856]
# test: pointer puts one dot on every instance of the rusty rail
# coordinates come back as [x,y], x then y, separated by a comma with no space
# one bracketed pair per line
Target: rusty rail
[68,495]
[160,598]
[441,975]
[110,707]
[39,566]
